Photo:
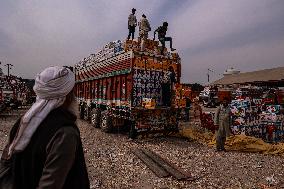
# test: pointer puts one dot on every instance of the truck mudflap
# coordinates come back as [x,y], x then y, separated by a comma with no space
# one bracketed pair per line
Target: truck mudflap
[153,120]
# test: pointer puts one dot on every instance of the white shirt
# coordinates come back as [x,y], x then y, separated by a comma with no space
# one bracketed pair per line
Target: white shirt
[144,25]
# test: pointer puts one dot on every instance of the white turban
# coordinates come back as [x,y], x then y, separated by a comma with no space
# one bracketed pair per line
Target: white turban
[51,87]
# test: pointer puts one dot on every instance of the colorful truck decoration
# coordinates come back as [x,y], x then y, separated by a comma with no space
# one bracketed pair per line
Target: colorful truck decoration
[122,86]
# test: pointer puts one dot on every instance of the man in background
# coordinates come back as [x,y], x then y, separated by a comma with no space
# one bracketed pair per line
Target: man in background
[223,120]
[44,148]
[196,111]
[169,79]
[132,23]
[144,28]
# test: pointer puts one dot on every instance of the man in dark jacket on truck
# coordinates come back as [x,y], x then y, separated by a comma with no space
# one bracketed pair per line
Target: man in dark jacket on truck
[44,149]
[132,23]
[162,31]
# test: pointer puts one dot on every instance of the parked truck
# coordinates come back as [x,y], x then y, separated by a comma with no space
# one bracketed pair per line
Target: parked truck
[122,86]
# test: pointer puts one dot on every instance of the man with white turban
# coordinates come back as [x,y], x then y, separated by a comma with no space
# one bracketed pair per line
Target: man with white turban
[44,148]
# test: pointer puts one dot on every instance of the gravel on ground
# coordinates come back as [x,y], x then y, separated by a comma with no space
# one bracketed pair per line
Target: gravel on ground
[111,163]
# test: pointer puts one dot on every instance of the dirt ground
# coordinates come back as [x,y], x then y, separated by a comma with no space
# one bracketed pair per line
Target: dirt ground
[111,163]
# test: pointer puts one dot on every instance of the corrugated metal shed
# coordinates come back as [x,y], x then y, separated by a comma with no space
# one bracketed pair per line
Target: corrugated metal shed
[267,75]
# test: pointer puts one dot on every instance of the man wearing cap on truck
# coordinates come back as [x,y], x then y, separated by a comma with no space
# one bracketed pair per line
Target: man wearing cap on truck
[144,28]
[132,23]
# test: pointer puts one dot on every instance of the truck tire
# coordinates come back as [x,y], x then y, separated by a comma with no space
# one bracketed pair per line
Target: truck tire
[82,111]
[106,122]
[96,117]
[86,113]
[132,131]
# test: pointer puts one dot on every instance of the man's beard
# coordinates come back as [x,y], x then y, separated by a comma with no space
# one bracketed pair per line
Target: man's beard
[73,107]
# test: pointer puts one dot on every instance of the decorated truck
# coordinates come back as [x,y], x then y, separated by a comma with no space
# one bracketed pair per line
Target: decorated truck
[122,86]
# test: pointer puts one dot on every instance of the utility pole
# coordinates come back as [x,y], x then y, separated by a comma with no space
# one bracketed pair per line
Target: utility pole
[208,75]
[1,69]
[9,66]
[211,71]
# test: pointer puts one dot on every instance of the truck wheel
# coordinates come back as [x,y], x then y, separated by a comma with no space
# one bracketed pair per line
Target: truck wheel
[86,113]
[106,122]
[82,111]
[96,117]
[132,131]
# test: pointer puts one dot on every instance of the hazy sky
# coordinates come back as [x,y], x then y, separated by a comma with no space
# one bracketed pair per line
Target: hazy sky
[219,34]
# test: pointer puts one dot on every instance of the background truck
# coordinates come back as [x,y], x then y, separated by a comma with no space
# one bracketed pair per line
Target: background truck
[121,86]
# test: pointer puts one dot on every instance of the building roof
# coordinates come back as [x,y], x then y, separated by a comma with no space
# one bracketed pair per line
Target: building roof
[267,75]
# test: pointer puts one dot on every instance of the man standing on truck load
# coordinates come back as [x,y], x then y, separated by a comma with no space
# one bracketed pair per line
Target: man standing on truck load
[223,120]
[162,31]
[132,23]
[167,86]
[44,148]
[144,28]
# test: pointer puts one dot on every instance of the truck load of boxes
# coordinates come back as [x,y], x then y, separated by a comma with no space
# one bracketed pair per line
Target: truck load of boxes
[256,112]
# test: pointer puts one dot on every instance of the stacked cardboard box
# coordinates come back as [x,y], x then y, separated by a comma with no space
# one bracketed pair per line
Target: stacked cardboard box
[111,49]
[256,120]
[151,47]
[149,103]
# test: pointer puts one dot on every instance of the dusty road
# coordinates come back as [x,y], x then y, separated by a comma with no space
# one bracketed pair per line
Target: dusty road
[112,165]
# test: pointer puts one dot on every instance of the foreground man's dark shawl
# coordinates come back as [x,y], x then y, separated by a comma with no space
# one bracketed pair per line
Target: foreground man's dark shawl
[54,158]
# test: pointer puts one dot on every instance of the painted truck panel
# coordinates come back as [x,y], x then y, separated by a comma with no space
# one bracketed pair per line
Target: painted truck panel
[142,79]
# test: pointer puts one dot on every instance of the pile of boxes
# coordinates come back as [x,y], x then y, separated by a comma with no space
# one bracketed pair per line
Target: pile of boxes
[151,47]
[252,117]
[258,120]
[115,47]
[274,123]
[149,103]
[111,49]
[146,85]
[245,118]
[207,121]
[181,94]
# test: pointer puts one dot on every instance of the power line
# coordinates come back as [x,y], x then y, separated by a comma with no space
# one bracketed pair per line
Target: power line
[9,66]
